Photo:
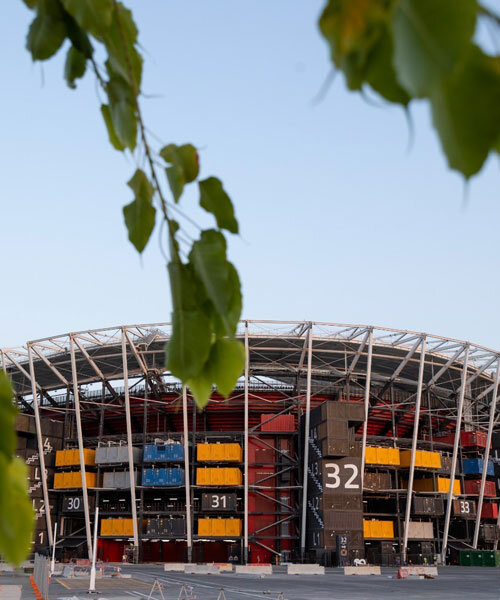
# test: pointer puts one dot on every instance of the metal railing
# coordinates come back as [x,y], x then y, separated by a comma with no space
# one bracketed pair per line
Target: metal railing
[41,576]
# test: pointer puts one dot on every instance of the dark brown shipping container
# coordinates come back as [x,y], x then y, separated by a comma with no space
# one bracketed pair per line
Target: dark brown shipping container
[464,508]
[330,429]
[343,502]
[377,481]
[489,533]
[328,447]
[427,505]
[327,538]
[343,519]
[353,412]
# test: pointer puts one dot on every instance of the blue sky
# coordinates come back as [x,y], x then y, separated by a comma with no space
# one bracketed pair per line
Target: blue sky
[339,220]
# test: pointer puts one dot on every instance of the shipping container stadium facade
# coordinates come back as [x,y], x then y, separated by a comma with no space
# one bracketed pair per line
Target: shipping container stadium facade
[338,443]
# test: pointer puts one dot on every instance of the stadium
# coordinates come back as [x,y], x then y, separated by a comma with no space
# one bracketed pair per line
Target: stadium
[338,444]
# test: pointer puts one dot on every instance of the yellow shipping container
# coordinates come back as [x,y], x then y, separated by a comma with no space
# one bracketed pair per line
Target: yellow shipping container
[442,485]
[371,455]
[217,476]
[218,527]
[423,458]
[107,526]
[232,477]
[127,526]
[378,529]
[217,452]
[59,480]
[203,476]
[61,458]
[205,527]
[375,455]
[203,451]
[233,452]
[233,527]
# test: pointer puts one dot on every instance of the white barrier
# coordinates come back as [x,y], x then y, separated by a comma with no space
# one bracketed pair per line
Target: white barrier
[305,570]
[361,570]
[11,592]
[418,571]
[174,567]
[201,569]
[255,569]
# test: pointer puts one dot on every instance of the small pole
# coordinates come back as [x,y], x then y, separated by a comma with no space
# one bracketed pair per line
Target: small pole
[92,589]
[53,561]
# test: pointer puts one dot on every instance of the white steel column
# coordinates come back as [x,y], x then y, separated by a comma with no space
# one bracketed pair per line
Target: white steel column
[41,455]
[187,480]
[129,444]
[416,418]
[76,399]
[305,477]
[455,454]
[245,443]
[486,455]
[367,404]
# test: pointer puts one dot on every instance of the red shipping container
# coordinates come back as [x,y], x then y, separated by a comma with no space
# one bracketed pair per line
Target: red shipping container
[489,511]
[473,486]
[473,439]
[258,452]
[277,423]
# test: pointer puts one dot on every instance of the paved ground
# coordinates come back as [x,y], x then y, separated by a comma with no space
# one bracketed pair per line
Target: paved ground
[453,583]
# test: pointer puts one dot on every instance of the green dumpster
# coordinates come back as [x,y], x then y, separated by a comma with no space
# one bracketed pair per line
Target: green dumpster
[497,558]
[466,558]
[477,558]
[489,558]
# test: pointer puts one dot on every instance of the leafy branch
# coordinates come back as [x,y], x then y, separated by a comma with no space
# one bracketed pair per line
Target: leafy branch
[423,49]
[206,295]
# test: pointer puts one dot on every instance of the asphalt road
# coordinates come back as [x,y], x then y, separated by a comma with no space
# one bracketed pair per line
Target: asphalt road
[452,583]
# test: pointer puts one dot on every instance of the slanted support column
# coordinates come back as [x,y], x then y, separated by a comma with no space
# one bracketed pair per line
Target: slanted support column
[128,422]
[43,472]
[76,400]
[367,404]
[245,449]
[486,454]
[187,480]
[418,402]
[455,454]
[306,444]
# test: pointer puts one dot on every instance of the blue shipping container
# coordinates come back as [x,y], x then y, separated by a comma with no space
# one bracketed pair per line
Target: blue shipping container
[177,452]
[175,476]
[474,466]
[149,453]
[148,476]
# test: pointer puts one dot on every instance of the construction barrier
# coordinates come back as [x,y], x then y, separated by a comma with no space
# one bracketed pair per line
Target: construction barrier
[254,569]
[201,569]
[305,570]
[404,572]
[179,567]
[369,570]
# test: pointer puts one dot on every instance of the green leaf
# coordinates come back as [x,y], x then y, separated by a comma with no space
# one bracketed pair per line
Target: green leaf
[93,16]
[466,112]
[214,199]
[380,74]
[185,166]
[352,29]
[122,111]
[113,138]
[225,364]
[7,418]
[430,37]
[16,511]
[77,36]
[120,39]
[208,257]
[189,345]
[185,157]
[140,213]
[74,67]
[175,181]
[47,30]
[30,3]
